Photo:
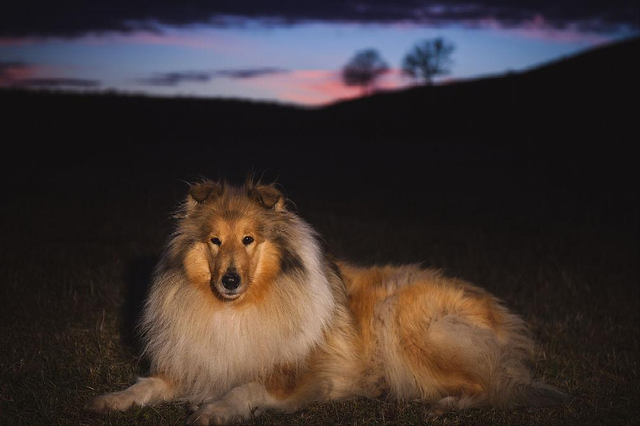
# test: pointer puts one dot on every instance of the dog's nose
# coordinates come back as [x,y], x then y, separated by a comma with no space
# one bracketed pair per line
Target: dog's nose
[230,280]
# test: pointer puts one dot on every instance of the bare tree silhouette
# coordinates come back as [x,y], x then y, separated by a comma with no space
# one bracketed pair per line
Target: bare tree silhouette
[363,69]
[428,59]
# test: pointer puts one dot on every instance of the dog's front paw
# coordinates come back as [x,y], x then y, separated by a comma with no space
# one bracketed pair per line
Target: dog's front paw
[116,401]
[218,413]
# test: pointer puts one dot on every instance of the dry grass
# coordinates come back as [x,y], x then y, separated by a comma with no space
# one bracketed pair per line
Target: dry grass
[74,270]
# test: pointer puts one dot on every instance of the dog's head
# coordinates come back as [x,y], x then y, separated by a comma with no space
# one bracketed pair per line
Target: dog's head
[235,234]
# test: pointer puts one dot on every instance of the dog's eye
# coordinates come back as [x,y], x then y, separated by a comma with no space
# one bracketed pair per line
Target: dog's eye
[216,241]
[247,240]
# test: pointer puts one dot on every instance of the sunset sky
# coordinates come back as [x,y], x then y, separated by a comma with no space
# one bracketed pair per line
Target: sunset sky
[287,51]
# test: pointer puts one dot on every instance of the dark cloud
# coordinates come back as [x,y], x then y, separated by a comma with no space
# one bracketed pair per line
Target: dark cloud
[9,65]
[175,78]
[58,82]
[7,69]
[18,74]
[12,72]
[179,77]
[249,72]
[72,18]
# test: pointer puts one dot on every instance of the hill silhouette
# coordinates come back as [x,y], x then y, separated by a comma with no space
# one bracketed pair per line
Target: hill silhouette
[575,111]
[575,106]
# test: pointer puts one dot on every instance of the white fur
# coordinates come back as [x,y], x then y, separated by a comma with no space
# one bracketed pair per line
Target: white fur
[148,390]
[237,405]
[208,353]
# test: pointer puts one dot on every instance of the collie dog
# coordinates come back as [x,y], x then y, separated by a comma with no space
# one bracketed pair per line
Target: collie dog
[247,313]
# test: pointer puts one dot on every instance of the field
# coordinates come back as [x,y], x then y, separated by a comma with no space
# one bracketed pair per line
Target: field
[550,227]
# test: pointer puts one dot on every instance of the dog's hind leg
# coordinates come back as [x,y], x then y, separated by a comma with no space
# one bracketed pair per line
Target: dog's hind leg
[147,390]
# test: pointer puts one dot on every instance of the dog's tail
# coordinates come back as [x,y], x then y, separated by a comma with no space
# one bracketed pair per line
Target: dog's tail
[531,394]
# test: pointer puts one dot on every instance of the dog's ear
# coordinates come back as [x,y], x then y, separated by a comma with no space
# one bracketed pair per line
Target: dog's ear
[203,191]
[268,196]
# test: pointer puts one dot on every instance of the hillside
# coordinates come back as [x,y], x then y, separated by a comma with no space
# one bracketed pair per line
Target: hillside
[580,109]
[589,102]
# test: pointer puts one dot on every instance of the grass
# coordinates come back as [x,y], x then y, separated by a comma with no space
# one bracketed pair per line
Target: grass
[74,271]
[525,185]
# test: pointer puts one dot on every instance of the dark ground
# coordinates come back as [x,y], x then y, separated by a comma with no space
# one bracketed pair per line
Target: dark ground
[526,185]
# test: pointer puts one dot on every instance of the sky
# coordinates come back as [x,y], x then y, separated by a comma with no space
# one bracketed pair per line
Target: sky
[284,51]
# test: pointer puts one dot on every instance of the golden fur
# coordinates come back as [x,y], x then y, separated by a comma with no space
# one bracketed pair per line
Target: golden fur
[296,327]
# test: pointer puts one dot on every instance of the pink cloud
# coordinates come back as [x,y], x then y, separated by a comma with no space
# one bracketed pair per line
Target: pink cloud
[22,41]
[14,72]
[319,86]
[18,74]
[218,42]
[392,79]
[309,87]
[540,29]
[314,87]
